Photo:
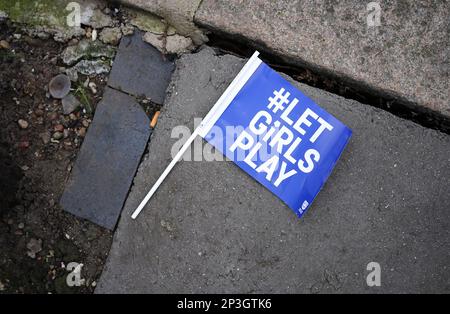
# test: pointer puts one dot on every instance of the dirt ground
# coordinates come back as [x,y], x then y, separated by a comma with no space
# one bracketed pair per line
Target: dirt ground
[37,238]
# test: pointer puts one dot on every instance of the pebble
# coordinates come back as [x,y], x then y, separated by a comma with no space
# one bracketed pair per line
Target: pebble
[82,132]
[24,144]
[59,86]
[70,103]
[39,112]
[94,35]
[4,44]
[72,117]
[93,87]
[88,32]
[21,225]
[67,144]
[111,36]
[34,246]
[45,137]
[53,116]
[73,42]
[22,123]
[59,128]
[58,135]
[85,123]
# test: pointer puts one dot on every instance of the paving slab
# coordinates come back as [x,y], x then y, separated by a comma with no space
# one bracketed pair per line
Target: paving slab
[108,159]
[212,228]
[140,69]
[405,57]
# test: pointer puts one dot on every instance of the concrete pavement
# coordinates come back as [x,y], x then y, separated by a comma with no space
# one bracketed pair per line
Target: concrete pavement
[212,228]
[397,48]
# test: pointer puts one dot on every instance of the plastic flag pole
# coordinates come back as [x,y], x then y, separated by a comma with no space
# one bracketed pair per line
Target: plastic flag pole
[207,123]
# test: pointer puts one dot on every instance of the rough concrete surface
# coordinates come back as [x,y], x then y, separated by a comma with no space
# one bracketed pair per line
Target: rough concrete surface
[405,57]
[212,228]
[140,69]
[108,159]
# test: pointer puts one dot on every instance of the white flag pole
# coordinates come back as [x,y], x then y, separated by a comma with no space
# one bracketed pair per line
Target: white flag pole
[207,123]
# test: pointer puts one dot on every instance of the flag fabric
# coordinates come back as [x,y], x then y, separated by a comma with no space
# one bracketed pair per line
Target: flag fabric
[272,131]
[276,134]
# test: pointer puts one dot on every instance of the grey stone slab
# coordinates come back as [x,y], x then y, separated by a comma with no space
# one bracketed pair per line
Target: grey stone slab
[212,228]
[405,57]
[108,159]
[140,69]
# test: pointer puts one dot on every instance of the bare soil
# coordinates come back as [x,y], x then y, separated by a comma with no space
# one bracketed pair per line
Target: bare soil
[33,171]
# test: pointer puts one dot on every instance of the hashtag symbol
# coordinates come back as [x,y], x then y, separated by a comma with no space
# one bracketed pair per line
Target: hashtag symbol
[279,100]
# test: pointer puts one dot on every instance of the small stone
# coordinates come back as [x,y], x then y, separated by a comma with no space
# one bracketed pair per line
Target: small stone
[3,16]
[59,86]
[22,123]
[86,49]
[93,87]
[24,144]
[72,117]
[66,133]
[21,225]
[92,67]
[85,123]
[94,17]
[171,44]
[111,36]
[82,132]
[58,135]
[34,246]
[149,22]
[39,112]
[59,128]
[127,30]
[94,35]
[70,103]
[89,33]
[45,137]
[4,44]
[53,116]
[67,144]
[72,74]
[73,42]
[179,44]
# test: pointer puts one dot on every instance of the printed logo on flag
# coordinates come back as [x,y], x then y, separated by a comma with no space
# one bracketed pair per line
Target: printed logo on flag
[285,141]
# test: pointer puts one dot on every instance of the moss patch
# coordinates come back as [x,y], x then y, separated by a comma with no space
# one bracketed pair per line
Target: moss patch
[149,22]
[50,13]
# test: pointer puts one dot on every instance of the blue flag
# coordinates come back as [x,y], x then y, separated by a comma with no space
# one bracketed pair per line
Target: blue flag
[279,136]
[272,131]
